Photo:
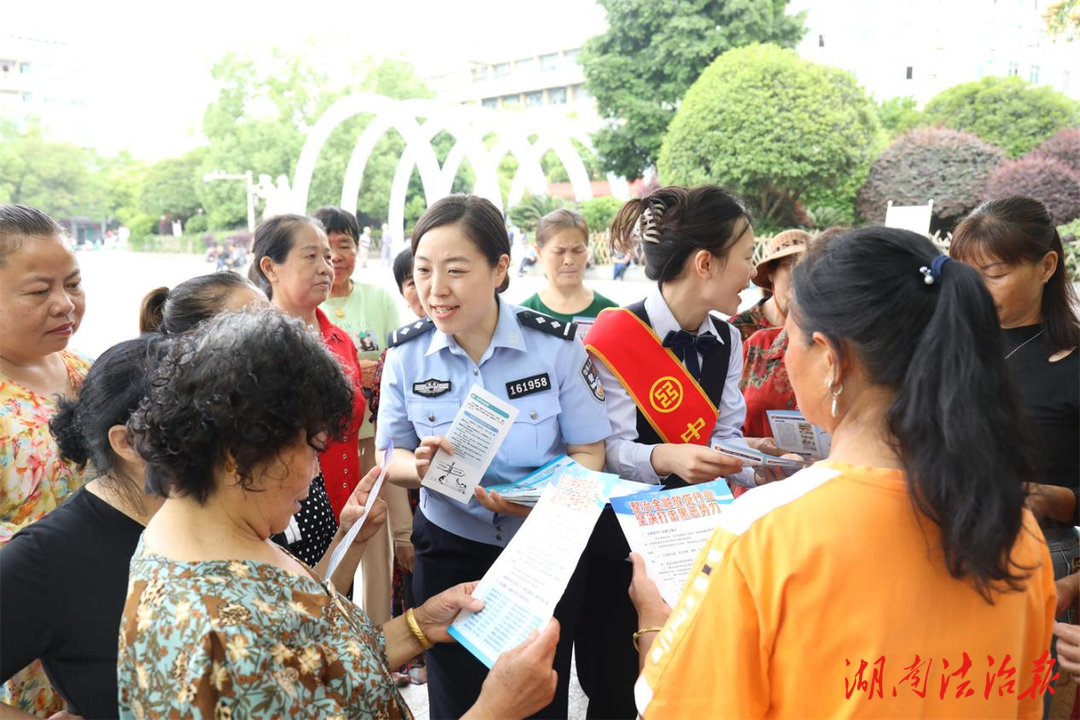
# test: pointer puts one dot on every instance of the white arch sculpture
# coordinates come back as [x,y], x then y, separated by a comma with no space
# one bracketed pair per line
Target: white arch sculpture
[418,121]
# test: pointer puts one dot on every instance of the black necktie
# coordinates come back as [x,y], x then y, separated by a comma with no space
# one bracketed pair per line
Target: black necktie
[686,347]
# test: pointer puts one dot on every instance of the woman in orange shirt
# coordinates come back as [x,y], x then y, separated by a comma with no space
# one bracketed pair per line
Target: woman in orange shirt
[902,576]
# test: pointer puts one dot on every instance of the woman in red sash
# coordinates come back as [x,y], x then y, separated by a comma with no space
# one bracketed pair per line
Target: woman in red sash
[670,371]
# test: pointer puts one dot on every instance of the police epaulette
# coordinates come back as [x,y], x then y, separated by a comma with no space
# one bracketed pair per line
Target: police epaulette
[407,332]
[547,324]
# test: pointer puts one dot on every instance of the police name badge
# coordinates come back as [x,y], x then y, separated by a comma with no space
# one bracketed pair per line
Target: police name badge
[431,387]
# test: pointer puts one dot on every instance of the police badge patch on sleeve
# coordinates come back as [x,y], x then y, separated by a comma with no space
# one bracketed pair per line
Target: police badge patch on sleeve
[588,372]
[431,387]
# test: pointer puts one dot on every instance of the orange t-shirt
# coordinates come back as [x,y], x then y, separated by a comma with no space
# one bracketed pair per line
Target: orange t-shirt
[807,579]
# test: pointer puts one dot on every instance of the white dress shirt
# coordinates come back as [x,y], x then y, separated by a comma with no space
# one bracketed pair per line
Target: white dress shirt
[633,460]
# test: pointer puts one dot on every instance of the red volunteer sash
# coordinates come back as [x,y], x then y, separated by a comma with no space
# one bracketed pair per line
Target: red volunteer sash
[665,393]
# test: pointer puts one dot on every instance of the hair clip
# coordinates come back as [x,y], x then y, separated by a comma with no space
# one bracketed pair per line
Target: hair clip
[647,226]
[932,274]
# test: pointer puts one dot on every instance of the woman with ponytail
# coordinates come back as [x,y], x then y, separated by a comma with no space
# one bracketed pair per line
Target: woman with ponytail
[845,589]
[670,370]
[63,579]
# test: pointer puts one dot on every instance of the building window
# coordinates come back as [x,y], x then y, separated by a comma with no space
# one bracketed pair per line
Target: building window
[557,96]
[910,72]
[549,63]
[490,102]
[821,41]
[480,74]
[525,65]
[5,68]
[511,99]
[572,55]
[502,70]
[1014,69]
[581,95]
[24,68]
[534,99]
[28,97]
[1034,75]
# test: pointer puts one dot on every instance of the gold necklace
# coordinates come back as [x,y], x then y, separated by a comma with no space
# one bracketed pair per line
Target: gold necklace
[119,501]
[338,312]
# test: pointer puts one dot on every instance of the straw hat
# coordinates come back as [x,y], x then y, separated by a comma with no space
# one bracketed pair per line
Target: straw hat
[789,242]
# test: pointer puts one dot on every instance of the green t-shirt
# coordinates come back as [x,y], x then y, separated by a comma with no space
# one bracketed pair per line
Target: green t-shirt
[368,314]
[599,302]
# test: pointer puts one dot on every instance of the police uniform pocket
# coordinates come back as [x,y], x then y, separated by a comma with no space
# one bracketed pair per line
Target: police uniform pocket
[535,430]
[431,417]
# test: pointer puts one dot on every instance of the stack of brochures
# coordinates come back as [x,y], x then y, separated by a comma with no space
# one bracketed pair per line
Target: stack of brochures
[527,490]
[754,458]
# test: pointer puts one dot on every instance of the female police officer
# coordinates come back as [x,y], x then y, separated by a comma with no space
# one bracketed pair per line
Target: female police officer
[473,337]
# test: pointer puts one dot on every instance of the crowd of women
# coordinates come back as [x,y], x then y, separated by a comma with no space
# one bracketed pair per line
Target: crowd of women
[168,510]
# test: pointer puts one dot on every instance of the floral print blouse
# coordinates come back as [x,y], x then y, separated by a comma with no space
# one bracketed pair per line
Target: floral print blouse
[765,384]
[33,478]
[33,481]
[240,638]
[750,320]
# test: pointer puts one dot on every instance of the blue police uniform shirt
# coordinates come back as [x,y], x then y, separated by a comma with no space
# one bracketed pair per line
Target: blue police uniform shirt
[548,378]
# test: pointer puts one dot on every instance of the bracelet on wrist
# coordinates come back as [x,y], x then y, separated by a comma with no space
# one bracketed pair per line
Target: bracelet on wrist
[417,631]
[642,631]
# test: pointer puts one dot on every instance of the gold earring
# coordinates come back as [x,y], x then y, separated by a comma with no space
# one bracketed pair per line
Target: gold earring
[835,389]
[230,466]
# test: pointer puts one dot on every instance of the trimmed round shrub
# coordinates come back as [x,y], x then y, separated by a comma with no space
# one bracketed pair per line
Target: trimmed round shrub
[1004,111]
[947,166]
[771,127]
[1064,146]
[1042,178]
[196,224]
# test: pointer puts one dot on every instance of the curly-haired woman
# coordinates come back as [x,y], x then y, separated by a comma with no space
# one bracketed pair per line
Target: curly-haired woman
[219,620]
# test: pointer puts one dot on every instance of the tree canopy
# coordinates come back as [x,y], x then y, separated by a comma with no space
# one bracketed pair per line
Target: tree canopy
[770,126]
[641,66]
[1003,111]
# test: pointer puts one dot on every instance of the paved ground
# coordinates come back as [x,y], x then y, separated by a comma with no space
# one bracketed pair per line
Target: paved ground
[116,281]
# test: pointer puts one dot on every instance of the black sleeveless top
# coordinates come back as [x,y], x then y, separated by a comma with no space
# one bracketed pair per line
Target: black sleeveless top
[714,369]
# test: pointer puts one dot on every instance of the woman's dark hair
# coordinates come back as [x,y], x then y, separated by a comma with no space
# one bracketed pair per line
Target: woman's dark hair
[480,220]
[335,219]
[1021,229]
[21,222]
[954,420]
[108,396]
[274,239]
[686,220]
[402,268]
[241,386]
[189,303]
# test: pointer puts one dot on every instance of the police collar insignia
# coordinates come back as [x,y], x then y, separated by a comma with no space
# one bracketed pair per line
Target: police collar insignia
[431,387]
[547,324]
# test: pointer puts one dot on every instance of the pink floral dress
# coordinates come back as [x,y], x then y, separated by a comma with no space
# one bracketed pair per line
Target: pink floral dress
[33,481]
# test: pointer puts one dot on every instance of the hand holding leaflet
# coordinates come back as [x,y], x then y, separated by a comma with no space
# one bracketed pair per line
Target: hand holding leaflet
[479,428]
[669,528]
[343,547]
[521,589]
[756,458]
[794,433]
[527,490]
